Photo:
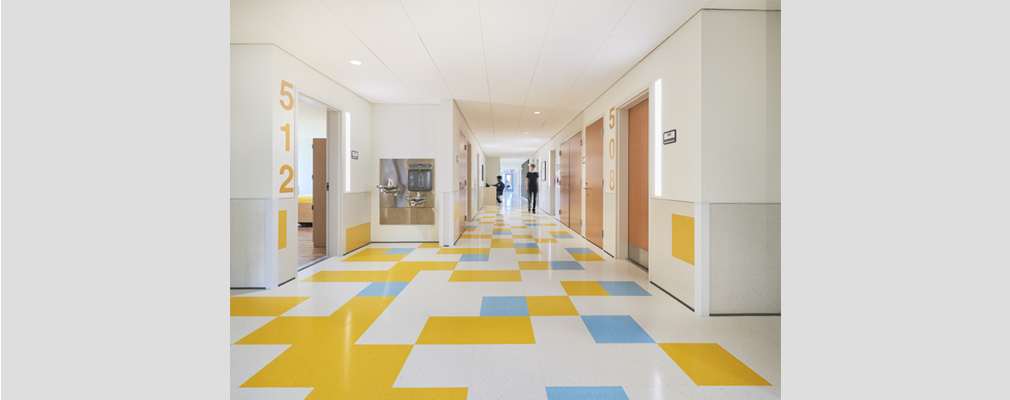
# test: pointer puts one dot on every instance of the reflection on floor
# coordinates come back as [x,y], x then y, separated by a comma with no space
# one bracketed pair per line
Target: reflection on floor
[520,308]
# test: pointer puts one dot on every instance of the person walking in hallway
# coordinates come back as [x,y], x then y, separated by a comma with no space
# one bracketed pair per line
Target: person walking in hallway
[531,186]
[499,188]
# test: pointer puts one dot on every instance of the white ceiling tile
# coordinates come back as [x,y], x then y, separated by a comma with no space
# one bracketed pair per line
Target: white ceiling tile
[340,50]
[478,115]
[247,21]
[617,56]
[533,123]
[457,55]
[509,92]
[444,17]
[302,17]
[429,92]
[582,94]
[505,118]
[468,89]
[564,57]
[586,17]
[515,17]
[382,92]
[373,17]
[546,94]
[657,17]
[405,56]
[512,58]
[746,4]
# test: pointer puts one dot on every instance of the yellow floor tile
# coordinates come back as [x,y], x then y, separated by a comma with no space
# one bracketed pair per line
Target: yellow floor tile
[486,276]
[548,224]
[708,364]
[558,232]
[502,230]
[428,246]
[587,257]
[518,226]
[477,330]
[522,236]
[463,250]
[425,265]
[533,265]
[502,244]
[367,255]
[583,288]
[470,236]
[362,276]
[322,355]
[550,306]
[528,251]
[486,223]
[265,306]
[549,240]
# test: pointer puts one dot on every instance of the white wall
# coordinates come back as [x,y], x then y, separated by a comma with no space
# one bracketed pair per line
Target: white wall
[404,131]
[256,71]
[492,170]
[741,157]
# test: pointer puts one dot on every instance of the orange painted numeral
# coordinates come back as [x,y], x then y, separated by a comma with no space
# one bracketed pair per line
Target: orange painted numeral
[612,148]
[291,174]
[287,137]
[291,98]
[611,179]
[611,117]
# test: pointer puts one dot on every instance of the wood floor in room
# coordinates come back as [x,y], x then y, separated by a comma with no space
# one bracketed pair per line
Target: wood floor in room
[306,252]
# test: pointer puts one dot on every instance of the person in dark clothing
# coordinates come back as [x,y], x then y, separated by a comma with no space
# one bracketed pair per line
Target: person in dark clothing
[531,186]
[499,188]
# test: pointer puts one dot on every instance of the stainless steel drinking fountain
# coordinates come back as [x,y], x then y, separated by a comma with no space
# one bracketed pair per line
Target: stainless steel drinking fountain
[406,195]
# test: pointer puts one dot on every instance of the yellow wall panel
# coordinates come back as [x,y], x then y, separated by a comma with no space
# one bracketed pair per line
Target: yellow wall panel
[358,236]
[282,229]
[682,235]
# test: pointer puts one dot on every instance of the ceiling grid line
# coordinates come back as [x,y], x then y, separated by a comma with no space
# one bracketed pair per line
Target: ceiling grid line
[483,50]
[537,64]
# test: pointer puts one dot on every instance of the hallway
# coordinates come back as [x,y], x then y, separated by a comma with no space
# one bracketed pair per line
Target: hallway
[520,308]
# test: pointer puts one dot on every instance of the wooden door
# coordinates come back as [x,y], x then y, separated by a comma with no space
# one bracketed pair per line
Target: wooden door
[575,193]
[638,177]
[461,162]
[319,192]
[469,182]
[594,176]
[563,184]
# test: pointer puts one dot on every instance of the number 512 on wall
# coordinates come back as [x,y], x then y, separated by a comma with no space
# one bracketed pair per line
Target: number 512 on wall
[288,116]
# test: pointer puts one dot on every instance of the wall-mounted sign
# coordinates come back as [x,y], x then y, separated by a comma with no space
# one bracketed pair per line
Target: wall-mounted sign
[670,136]
[354,154]
[583,159]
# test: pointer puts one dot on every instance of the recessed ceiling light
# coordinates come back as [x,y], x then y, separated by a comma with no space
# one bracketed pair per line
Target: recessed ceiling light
[355,62]
[536,112]
[526,133]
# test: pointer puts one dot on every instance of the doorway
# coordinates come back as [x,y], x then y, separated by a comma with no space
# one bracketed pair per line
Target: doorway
[570,209]
[638,183]
[311,133]
[594,174]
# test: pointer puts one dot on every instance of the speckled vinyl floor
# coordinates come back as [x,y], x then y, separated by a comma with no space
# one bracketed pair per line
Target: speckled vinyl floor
[520,308]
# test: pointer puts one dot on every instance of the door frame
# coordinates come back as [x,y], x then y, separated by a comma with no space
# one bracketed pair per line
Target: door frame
[620,187]
[334,197]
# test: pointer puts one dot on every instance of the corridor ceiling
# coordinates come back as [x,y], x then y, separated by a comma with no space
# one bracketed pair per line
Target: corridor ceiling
[513,66]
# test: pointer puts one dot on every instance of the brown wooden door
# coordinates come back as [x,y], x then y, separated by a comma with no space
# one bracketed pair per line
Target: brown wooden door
[594,183]
[458,208]
[575,193]
[319,192]
[563,183]
[638,176]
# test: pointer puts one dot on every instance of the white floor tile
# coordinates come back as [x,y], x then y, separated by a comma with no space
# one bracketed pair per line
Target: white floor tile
[506,366]
[241,327]
[437,366]
[561,330]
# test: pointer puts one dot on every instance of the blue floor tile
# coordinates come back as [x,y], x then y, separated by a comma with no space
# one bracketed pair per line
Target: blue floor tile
[526,246]
[398,251]
[383,289]
[566,236]
[559,265]
[623,288]
[504,306]
[475,257]
[615,329]
[580,250]
[586,393]
[501,233]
